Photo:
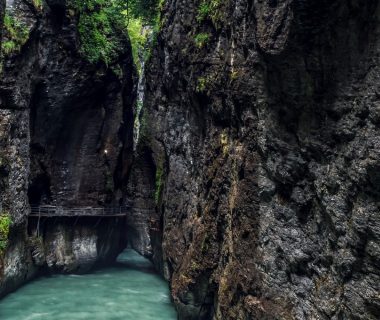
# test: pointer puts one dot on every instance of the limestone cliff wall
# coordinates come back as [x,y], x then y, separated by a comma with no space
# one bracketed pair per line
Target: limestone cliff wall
[65,124]
[262,142]
[255,183]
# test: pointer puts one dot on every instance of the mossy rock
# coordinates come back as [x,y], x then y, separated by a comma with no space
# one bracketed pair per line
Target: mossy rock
[5,223]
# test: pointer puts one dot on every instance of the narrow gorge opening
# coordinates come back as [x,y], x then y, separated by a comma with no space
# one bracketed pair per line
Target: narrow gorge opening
[81,93]
[234,144]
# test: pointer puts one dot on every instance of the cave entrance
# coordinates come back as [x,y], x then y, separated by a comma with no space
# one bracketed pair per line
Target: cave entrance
[39,190]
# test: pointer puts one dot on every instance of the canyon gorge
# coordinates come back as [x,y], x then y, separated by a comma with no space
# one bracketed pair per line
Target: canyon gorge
[243,141]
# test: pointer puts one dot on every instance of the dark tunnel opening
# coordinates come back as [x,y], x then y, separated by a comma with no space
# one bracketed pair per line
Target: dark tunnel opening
[39,190]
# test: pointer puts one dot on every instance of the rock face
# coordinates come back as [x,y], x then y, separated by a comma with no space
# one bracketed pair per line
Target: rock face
[262,142]
[71,246]
[255,184]
[140,193]
[65,124]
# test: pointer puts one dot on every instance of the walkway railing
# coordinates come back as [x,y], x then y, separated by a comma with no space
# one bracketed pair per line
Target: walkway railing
[58,211]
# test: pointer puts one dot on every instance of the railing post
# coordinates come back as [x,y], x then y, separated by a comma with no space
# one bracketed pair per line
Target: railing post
[38,222]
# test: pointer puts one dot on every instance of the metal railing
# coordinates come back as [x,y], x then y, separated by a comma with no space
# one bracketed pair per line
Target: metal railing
[59,211]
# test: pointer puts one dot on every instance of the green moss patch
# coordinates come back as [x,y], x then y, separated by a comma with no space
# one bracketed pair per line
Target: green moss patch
[15,35]
[212,10]
[201,39]
[5,223]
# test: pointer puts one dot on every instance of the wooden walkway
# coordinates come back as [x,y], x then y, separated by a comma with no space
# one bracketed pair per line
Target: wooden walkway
[57,211]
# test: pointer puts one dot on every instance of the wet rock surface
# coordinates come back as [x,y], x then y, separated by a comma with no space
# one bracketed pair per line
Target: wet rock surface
[267,135]
[77,246]
[255,183]
[142,217]
[64,127]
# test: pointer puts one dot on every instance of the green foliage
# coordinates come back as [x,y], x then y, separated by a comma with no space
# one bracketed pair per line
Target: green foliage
[211,9]
[201,85]
[234,75]
[146,10]
[8,47]
[104,23]
[91,5]
[201,39]
[15,35]
[203,11]
[138,37]
[205,83]
[5,223]
[143,22]
[101,29]
[37,4]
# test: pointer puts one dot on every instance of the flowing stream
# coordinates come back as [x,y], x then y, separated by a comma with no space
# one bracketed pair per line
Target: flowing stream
[129,291]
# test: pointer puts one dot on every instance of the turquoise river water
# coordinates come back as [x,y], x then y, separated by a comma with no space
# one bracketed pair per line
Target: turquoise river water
[129,291]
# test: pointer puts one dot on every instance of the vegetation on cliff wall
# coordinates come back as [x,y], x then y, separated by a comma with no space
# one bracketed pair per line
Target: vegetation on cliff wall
[38,4]
[211,10]
[270,193]
[5,222]
[201,39]
[138,36]
[101,29]
[103,26]
[143,22]
[15,35]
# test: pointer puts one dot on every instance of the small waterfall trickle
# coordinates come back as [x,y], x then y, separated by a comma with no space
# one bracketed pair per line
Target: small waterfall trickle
[139,104]
[139,218]
[141,85]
